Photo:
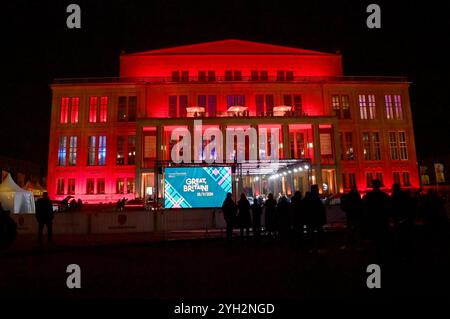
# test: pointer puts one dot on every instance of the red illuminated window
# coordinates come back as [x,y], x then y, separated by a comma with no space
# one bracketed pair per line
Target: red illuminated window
[238,75]
[93,109]
[120,157]
[235,100]
[131,149]
[379,177]
[349,180]
[406,179]
[264,75]
[73,150]
[185,76]
[71,186]
[369,179]
[101,186]
[96,150]
[178,105]
[75,103]
[212,105]
[90,186]
[202,76]
[62,151]
[394,109]
[289,75]
[175,76]
[254,75]
[396,177]
[60,186]
[103,109]
[398,146]
[231,75]
[64,117]
[280,75]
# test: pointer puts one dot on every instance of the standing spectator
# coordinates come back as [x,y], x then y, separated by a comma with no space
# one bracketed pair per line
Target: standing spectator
[229,214]
[244,215]
[298,213]
[351,204]
[376,205]
[316,217]
[270,215]
[8,228]
[283,210]
[402,213]
[256,217]
[44,217]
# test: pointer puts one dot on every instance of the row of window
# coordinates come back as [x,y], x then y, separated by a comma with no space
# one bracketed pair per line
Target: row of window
[232,75]
[68,149]
[98,109]
[400,178]
[398,146]
[96,186]
[367,106]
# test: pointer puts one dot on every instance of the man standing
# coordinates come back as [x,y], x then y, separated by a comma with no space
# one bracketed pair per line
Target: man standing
[44,216]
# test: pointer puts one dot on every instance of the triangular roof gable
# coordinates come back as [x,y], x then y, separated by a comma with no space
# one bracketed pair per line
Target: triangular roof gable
[231,46]
[9,185]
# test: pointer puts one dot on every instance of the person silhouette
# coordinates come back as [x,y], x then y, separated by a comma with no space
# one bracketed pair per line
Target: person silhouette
[402,214]
[351,204]
[376,206]
[44,217]
[244,215]
[270,215]
[298,213]
[316,216]
[256,217]
[283,210]
[229,213]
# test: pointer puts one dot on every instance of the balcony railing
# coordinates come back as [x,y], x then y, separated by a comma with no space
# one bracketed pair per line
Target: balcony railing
[196,79]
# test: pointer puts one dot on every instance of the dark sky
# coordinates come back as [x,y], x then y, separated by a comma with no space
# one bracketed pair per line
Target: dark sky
[38,47]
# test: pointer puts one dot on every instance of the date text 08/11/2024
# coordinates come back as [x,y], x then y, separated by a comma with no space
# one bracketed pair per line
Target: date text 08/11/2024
[225,309]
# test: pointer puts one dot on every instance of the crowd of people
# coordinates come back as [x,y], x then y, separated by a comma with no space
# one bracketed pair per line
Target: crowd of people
[377,217]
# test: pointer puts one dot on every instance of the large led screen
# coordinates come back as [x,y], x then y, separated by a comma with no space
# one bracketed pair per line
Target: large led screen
[196,187]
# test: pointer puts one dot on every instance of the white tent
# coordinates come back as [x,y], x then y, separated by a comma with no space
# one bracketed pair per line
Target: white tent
[14,198]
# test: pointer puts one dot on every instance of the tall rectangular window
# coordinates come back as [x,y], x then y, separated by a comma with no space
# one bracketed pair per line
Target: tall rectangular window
[280,75]
[270,103]
[289,75]
[93,101]
[369,179]
[64,115]
[72,151]
[212,105]
[259,101]
[406,179]
[126,109]
[371,146]
[120,186]
[131,150]
[62,151]
[396,178]
[101,150]
[398,107]
[185,76]
[228,75]
[393,148]
[264,75]
[202,76]
[131,185]
[341,106]
[297,107]
[69,107]
[235,100]
[101,186]
[238,75]
[202,101]
[183,104]
[254,75]
[92,150]
[175,76]
[71,186]
[90,186]
[352,180]
[287,99]
[367,106]
[403,145]
[60,186]
[75,103]
[394,109]
[347,146]
[172,106]
[120,156]
[103,109]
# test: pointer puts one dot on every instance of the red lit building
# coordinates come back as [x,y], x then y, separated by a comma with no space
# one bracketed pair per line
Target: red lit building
[107,134]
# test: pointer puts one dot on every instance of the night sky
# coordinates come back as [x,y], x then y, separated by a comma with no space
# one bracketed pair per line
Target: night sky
[37,47]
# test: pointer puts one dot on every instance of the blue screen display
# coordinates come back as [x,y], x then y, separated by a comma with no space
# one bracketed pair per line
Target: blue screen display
[196,187]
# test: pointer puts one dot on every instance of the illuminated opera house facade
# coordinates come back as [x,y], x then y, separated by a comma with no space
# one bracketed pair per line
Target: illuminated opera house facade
[110,136]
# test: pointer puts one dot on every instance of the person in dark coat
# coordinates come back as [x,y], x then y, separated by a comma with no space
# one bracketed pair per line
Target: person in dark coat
[352,205]
[283,217]
[270,207]
[298,215]
[316,216]
[229,213]
[8,228]
[376,206]
[402,213]
[44,217]
[256,217]
[244,215]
